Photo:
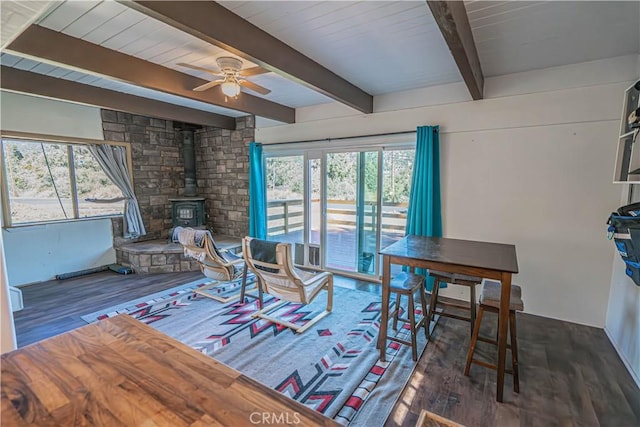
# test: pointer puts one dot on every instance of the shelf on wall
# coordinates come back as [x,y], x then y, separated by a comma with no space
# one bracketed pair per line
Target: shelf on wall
[627,167]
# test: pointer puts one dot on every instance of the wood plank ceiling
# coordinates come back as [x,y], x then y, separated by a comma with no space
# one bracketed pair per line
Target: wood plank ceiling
[515,36]
[17,15]
[88,42]
[380,46]
[316,51]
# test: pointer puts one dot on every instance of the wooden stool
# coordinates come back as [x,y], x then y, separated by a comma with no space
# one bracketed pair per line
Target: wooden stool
[408,284]
[490,301]
[454,279]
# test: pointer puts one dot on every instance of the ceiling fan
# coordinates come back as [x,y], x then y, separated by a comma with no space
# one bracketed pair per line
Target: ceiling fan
[232,77]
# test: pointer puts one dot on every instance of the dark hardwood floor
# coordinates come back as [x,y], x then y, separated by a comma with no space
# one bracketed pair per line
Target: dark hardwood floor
[570,375]
[54,307]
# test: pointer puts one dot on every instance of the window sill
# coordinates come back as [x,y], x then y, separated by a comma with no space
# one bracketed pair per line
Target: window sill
[59,221]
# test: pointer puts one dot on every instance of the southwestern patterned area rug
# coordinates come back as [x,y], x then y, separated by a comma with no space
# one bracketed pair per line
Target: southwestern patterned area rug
[333,367]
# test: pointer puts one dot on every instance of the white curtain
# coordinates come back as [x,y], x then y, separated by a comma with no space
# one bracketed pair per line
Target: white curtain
[113,160]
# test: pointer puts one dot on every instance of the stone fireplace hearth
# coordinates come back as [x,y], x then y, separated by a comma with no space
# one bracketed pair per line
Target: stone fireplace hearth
[161,256]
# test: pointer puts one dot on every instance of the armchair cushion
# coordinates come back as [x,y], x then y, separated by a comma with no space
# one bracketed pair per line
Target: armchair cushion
[265,251]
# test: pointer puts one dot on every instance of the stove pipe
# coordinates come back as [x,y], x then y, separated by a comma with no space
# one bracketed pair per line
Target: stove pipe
[188,150]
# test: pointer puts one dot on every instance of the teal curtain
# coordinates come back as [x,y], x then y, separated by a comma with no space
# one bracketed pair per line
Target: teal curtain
[424,216]
[257,194]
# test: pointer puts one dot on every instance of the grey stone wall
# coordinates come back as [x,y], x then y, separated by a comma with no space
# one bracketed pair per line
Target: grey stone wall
[222,172]
[158,166]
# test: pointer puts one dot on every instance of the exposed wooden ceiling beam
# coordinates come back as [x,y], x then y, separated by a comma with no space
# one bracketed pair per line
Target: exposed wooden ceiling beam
[219,26]
[452,19]
[22,81]
[51,46]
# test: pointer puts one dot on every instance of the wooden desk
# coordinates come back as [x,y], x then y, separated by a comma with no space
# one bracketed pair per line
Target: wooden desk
[481,259]
[120,372]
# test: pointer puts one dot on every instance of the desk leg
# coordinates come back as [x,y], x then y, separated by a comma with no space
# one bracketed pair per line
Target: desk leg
[503,326]
[386,279]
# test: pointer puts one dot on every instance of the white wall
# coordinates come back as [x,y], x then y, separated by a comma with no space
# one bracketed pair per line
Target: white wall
[531,164]
[26,113]
[547,190]
[7,331]
[36,253]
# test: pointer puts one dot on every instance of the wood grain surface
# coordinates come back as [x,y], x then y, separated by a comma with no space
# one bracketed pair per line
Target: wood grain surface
[562,379]
[121,372]
[462,253]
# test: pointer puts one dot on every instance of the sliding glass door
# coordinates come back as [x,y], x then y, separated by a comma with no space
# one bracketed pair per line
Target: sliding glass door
[351,214]
[396,185]
[339,207]
[285,199]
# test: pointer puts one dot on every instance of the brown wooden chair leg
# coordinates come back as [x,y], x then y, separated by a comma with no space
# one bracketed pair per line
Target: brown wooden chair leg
[514,351]
[474,341]
[411,309]
[243,289]
[397,311]
[260,297]
[433,301]
[423,305]
[380,337]
[472,308]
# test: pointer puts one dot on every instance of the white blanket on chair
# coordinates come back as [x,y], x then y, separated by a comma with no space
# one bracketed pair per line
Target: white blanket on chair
[190,237]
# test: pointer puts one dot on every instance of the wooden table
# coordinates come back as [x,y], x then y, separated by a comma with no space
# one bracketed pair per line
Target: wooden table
[120,372]
[480,259]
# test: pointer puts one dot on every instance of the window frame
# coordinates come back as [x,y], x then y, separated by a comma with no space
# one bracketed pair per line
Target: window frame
[35,138]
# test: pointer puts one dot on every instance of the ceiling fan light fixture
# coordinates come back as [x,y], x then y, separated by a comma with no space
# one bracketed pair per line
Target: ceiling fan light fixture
[230,88]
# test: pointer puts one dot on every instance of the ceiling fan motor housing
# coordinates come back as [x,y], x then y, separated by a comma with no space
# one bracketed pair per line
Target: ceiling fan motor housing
[228,64]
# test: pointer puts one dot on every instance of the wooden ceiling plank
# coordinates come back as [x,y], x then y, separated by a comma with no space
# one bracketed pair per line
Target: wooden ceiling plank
[16,80]
[451,17]
[215,24]
[58,48]
[93,19]
[67,13]
[116,25]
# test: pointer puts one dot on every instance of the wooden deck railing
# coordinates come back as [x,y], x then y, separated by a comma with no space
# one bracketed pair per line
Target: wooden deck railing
[285,216]
[288,215]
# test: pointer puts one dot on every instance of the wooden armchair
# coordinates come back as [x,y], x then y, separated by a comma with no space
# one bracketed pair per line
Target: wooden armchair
[272,263]
[218,264]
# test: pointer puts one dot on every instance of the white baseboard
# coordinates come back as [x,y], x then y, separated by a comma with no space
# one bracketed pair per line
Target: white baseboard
[623,358]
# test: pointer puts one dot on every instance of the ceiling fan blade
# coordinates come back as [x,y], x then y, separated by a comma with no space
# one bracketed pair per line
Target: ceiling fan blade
[254,87]
[253,71]
[195,67]
[208,85]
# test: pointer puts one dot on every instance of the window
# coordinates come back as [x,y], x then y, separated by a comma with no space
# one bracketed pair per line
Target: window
[50,181]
